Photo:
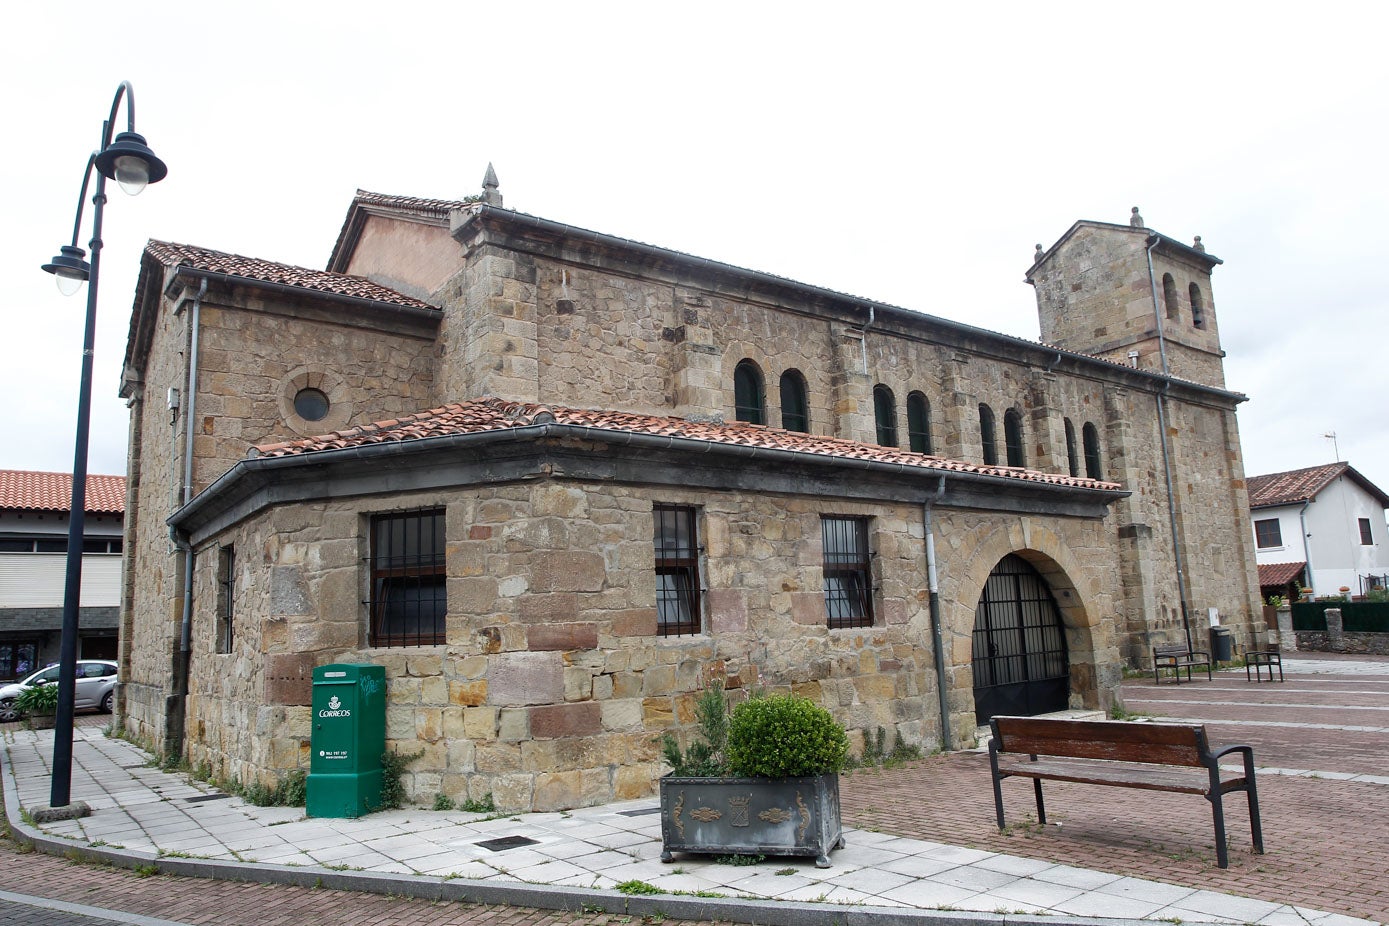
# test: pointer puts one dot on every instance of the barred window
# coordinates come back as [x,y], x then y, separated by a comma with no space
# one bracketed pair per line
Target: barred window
[795,410]
[1072,460]
[885,415]
[749,396]
[409,598]
[1090,436]
[226,598]
[677,570]
[848,577]
[1013,439]
[987,438]
[919,422]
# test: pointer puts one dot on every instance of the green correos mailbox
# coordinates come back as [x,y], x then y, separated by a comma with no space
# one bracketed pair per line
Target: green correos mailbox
[348,738]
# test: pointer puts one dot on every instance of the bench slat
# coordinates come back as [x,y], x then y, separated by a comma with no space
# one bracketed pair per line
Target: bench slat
[1157,743]
[1131,776]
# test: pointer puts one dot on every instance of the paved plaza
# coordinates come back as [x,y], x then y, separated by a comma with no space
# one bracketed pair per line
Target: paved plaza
[920,837]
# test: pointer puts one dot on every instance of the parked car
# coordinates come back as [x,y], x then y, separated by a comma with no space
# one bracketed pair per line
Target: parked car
[95,688]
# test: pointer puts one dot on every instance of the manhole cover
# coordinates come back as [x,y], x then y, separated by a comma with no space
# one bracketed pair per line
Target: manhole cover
[205,797]
[502,843]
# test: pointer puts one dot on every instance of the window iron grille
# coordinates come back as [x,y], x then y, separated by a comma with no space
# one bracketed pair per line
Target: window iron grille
[409,590]
[847,571]
[677,570]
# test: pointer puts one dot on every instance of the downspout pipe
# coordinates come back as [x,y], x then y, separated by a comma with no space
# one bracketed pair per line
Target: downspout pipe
[1166,451]
[937,634]
[1306,547]
[863,336]
[175,732]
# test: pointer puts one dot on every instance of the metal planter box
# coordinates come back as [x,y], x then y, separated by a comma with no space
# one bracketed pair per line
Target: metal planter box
[751,816]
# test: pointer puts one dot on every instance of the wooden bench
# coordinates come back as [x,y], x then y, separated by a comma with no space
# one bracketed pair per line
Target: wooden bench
[1176,656]
[1151,756]
[1260,659]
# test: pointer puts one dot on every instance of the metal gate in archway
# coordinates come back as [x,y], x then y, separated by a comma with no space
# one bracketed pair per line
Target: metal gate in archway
[1020,663]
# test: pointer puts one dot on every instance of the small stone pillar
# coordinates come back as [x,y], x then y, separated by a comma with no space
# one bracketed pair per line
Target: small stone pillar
[1287,637]
[1335,634]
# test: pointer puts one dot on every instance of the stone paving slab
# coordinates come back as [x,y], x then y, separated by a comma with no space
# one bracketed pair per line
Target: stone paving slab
[593,848]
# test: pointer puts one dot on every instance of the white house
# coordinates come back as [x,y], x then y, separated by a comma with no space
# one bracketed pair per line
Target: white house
[34,510]
[1323,527]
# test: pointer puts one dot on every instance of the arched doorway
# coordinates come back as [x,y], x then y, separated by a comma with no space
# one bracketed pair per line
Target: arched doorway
[1020,662]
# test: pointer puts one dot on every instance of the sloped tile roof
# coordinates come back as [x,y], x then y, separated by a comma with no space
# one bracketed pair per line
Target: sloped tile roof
[267,271]
[25,490]
[492,414]
[1279,573]
[1294,486]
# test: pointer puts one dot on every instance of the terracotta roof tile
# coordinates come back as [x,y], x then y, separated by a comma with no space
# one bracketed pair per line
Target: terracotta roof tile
[266,271]
[30,491]
[1279,573]
[492,414]
[1294,486]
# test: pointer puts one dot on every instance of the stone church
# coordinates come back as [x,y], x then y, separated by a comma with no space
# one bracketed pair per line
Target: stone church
[555,482]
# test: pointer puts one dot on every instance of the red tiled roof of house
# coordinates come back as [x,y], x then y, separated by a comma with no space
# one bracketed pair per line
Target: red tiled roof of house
[267,271]
[492,414]
[1294,486]
[1279,573]
[25,490]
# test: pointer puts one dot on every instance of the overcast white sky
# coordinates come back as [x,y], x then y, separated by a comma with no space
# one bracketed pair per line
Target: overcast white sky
[901,152]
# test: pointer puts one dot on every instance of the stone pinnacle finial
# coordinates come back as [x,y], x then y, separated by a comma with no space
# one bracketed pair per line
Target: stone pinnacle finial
[1198,245]
[1136,220]
[491,195]
[1037,255]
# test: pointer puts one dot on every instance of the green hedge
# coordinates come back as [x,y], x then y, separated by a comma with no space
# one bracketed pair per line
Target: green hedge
[1356,616]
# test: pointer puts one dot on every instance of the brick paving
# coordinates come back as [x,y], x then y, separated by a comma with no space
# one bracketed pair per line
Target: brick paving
[202,902]
[1325,839]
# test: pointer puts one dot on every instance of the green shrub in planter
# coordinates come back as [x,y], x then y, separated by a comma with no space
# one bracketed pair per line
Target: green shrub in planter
[40,699]
[784,737]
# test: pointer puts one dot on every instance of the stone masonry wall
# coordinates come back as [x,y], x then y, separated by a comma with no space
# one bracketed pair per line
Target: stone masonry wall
[553,687]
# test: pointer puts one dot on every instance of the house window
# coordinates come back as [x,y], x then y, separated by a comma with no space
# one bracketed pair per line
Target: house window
[885,415]
[1198,308]
[919,423]
[1169,296]
[1072,459]
[795,410]
[226,597]
[1366,537]
[677,570]
[409,593]
[987,438]
[1268,533]
[1012,437]
[311,404]
[848,579]
[1090,437]
[749,396]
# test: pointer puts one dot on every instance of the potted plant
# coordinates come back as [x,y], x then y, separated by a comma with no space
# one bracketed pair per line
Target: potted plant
[762,779]
[38,706]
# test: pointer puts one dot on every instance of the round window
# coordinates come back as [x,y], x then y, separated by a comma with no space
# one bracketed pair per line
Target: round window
[311,404]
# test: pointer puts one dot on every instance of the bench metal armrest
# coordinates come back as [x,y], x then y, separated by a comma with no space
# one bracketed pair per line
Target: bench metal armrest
[1247,751]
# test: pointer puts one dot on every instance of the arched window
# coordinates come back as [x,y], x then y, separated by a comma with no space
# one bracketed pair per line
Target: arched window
[1072,457]
[749,398]
[795,411]
[1198,308]
[885,414]
[919,423]
[1091,436]
[1169,296]
[986,435]
[1012,437]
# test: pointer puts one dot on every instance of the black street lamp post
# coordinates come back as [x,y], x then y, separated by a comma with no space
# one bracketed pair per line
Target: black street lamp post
[128,161]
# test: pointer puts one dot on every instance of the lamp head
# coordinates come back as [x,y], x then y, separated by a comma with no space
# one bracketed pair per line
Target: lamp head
[70,268]
[130,162]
